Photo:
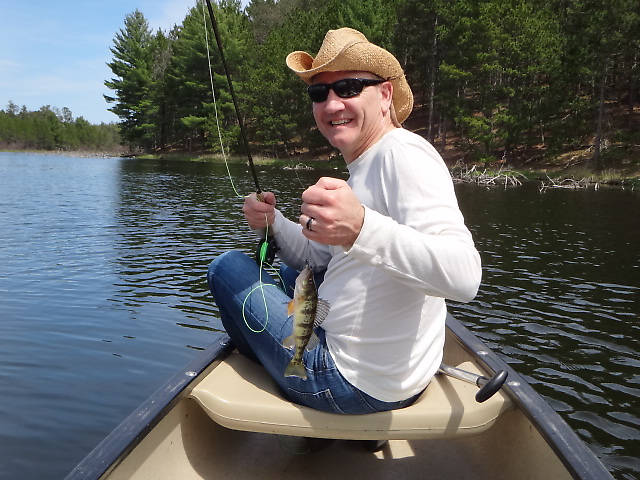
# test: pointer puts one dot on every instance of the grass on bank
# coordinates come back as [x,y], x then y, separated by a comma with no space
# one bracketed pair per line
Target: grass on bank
[568,167]
[259,160]
[622,166]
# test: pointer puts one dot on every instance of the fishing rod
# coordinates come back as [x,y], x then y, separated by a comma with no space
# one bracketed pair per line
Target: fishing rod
[266,247]
[216,33]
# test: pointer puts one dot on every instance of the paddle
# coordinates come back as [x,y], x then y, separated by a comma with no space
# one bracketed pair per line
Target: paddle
[488,386]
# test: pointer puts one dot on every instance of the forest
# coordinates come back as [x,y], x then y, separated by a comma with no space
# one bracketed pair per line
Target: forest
[50,128]
[494,80]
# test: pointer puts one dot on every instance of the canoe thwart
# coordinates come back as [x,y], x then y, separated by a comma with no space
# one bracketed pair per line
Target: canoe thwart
[239,394]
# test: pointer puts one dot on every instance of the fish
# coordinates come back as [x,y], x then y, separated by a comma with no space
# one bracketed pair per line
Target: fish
[308,312]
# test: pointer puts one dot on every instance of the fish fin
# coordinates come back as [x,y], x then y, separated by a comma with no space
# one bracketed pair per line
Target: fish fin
[313,342]
[295,369]
[322,310]
[289,342]
[290,308]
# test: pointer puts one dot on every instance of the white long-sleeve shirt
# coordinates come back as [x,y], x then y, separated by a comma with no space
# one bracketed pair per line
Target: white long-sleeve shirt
[386,325]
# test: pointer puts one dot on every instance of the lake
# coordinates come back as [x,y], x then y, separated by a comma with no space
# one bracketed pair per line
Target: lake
[103,295]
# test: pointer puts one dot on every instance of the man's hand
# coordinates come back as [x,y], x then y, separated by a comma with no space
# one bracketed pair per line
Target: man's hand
[259,214]
[337,214]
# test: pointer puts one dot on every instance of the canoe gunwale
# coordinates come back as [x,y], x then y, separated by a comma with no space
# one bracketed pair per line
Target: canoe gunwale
[133,429]
[581,462]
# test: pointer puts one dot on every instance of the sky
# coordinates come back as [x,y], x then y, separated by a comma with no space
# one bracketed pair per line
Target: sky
[55,52]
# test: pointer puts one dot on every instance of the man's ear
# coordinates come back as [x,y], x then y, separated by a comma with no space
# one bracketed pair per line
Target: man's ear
[386,92]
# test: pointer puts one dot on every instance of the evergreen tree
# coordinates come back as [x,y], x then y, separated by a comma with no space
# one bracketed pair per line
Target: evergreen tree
[500,76]
[161,114]
[51,129]
[278,103]
[187,76]
[132,67]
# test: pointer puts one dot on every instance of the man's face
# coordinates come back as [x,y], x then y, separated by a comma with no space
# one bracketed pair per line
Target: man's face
[353,124]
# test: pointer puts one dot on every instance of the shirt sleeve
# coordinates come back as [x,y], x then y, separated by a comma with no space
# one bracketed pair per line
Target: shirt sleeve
[422,241]
[294,249]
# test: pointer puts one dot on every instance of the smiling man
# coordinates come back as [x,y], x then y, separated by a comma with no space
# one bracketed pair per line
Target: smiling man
[352,125]
[391,243]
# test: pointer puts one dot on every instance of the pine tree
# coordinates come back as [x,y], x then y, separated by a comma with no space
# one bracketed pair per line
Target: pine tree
[132,67]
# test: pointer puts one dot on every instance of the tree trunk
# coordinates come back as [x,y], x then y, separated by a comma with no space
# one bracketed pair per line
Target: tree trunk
[596,161]
[443,135]
[632,90]
[432,86]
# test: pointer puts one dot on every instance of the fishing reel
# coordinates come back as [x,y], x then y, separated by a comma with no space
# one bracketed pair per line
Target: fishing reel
[266,251]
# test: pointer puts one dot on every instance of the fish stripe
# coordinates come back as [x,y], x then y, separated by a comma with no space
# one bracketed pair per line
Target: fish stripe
[304,308]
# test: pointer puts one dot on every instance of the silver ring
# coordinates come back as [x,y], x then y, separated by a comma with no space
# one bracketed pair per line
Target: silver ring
[309,224]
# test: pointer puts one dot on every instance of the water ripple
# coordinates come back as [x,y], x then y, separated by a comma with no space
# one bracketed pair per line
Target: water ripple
[104,296]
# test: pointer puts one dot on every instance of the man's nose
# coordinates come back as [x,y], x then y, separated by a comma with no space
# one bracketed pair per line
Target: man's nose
[334,102]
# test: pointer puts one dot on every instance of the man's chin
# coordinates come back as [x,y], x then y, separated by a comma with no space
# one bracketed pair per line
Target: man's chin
[339,141]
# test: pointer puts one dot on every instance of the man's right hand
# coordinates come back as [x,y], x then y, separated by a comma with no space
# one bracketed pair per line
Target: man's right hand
[259,214]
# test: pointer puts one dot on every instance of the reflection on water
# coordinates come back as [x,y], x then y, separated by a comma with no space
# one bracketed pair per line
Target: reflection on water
[559,301]
[103,295]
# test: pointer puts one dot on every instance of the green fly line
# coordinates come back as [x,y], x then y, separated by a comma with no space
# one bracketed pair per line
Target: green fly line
[215,104]
[263,248]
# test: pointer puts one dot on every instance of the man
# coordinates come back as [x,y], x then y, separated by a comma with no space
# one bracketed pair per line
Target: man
[392,240]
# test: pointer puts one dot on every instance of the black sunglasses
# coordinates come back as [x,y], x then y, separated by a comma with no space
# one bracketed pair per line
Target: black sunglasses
[345,88]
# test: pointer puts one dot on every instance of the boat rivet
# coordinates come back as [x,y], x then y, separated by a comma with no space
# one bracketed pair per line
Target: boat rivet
[190,373]
[482,352]
[514,384]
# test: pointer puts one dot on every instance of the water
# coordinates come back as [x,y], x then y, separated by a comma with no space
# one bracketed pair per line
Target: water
[103,296]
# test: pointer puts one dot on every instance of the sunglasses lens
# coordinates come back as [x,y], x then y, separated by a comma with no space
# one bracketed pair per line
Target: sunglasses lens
[318,92]
[345,88]
[348,87]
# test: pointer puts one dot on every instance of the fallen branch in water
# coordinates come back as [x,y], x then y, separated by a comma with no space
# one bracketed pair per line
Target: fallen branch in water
[299,166]
[506,178]
[568,183]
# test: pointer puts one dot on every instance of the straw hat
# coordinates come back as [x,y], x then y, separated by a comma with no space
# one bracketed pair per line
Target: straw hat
[347,49]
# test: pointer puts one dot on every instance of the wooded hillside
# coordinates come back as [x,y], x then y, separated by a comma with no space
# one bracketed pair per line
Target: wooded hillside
[52,129]
[497,78]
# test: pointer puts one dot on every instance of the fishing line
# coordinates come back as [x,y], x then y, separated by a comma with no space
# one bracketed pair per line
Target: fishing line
[243,136]
[260,286]
[264,245]
[215,104]
[270,250]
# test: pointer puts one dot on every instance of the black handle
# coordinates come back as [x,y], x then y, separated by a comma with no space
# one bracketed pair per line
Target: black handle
[489,386]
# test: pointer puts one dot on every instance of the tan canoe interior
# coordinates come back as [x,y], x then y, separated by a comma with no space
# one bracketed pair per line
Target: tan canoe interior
[230,433]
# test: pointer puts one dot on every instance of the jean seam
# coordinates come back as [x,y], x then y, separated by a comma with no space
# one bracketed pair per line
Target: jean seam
[325,395]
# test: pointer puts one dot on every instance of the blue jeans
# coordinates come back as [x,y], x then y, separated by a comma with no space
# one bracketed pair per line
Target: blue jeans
[258,333]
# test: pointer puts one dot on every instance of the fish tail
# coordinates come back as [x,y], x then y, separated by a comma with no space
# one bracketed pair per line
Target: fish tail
[295,369]
[289,342]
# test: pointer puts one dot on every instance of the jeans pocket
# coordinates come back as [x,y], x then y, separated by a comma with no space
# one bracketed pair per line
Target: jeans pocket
[322,400]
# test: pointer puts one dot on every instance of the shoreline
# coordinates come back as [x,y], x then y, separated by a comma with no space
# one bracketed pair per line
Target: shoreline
[70,153]
[550,174]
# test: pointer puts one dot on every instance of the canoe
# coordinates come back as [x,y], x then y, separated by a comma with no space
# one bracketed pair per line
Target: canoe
[223,417]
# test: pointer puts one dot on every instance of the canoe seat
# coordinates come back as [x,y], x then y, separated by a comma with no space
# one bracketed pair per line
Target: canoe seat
[240,395]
